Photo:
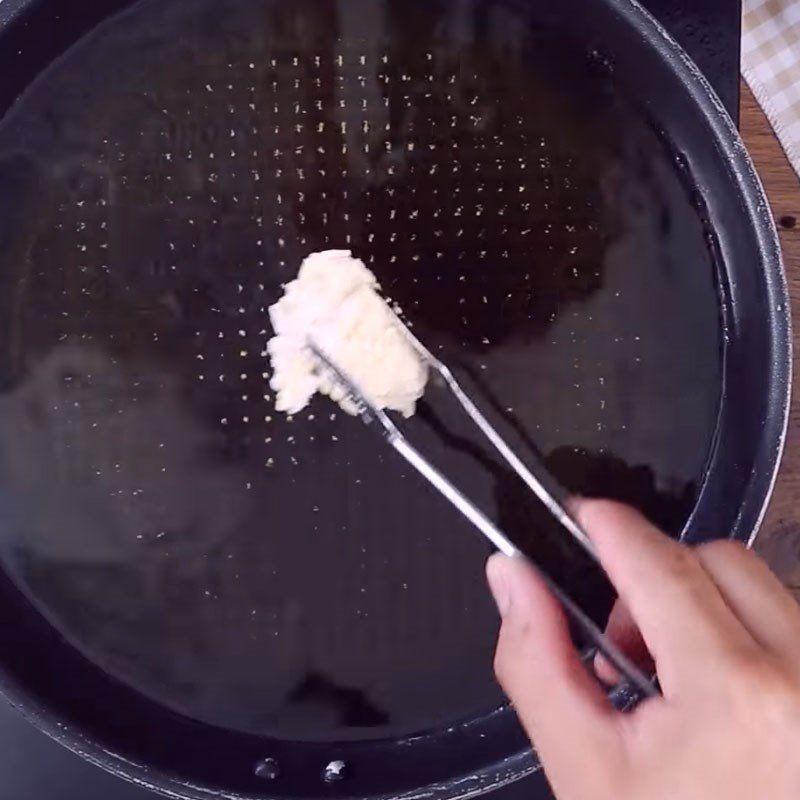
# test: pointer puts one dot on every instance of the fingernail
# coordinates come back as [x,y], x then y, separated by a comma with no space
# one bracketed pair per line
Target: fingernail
[496,574]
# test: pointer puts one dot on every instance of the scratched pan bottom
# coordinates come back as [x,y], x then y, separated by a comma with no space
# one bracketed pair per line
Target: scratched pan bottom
[160,183]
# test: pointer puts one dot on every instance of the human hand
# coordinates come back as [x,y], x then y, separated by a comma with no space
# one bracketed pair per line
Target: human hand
[724,636]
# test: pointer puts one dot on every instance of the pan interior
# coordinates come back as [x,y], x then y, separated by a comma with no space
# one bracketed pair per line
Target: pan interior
[158,186]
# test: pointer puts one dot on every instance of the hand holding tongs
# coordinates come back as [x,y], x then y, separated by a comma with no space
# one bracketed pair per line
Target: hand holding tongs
[370,414]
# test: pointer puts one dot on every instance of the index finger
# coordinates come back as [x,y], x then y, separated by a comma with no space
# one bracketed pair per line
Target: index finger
[683,618]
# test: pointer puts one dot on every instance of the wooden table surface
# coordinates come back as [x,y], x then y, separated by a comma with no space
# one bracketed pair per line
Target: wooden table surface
[779,541]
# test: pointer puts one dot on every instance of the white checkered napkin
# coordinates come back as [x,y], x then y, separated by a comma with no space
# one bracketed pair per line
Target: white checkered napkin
[771,66]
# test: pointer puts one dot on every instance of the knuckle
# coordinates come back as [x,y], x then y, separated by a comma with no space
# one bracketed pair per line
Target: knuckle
[765,680]
[512,656]
[501,662]
[498,664]
[750,669]
[592,513]
[727,549]
[681,563]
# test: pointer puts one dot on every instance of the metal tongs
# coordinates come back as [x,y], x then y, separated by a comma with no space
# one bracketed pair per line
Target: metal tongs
[370,414]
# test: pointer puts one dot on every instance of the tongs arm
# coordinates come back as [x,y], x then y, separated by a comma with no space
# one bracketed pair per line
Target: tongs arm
[370,414]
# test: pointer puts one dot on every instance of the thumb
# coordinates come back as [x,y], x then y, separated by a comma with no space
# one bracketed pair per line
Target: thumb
[561,707]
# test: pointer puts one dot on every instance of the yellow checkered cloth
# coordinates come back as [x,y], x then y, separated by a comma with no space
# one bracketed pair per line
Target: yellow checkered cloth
[771,66]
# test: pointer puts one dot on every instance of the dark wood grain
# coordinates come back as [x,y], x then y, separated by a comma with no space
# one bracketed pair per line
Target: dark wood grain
[779,540]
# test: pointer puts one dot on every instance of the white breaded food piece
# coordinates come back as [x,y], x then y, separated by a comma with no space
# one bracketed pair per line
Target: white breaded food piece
[335,301]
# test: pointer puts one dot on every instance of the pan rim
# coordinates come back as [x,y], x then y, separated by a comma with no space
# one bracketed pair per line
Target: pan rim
[524,763]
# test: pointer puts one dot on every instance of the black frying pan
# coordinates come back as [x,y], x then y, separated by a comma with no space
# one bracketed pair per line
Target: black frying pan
[214,601]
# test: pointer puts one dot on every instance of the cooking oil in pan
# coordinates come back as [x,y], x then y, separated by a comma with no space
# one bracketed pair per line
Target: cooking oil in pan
[163,181]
